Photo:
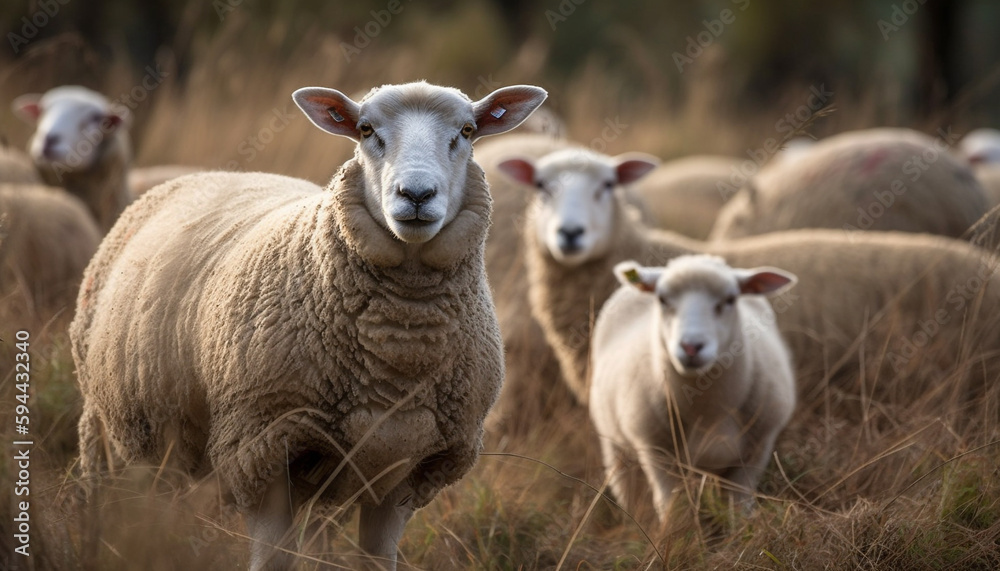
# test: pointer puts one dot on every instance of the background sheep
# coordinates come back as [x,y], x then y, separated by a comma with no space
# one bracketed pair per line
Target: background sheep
[878,179]
[685,195]
[16,167]
[81,143]
[919,278]
[690,356]
[343,341]
[981,149]
[46,239]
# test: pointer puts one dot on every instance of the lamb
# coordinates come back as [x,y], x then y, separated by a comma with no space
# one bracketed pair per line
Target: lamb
[46,239]
[879,179]
[690,355]
[922,283]
[339,345]
[81,143]
[685,195]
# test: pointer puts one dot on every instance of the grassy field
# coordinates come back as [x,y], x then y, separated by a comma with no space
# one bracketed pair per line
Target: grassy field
[863,478]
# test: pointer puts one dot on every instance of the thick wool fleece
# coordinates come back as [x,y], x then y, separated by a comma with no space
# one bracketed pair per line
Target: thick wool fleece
[252,320]
[855,285]
[685,195]
[877,179]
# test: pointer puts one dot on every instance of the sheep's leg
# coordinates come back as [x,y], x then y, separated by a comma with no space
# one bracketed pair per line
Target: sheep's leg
[92,448]
[268,525]
[654,466]
[617,474]
[748,475]
[381,527]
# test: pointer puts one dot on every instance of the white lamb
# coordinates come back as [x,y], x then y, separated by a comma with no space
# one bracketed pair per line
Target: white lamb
[689,355]
[336,345]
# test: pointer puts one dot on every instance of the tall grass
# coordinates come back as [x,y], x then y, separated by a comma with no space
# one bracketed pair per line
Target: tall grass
[860,479]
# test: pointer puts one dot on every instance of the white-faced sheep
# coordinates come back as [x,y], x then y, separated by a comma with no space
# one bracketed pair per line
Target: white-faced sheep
[685,195]
[81,143]
[341,342]
[981,149]
[47,237]
[879,179]
[889,280]
[689,366]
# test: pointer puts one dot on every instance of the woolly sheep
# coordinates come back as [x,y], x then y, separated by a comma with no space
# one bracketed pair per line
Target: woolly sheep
[46,239]
[918,278]
[692,346]
[141,180]
[685,195]
[338,344]
[16,167]
[879,179]
[981,149]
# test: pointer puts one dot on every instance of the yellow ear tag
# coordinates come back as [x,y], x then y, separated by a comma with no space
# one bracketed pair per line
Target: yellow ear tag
[633,276]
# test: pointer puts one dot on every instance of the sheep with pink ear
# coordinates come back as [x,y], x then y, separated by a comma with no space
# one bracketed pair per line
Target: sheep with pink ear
[81,143]
[689,367]
[336,346]
[574,214]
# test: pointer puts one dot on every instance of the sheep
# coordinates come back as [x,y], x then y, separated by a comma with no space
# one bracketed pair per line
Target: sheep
[140,180]
[692,346]
[981,149]
[343,341]
[879,179]
[685,195]
[16,167]
[919,278]
[46,239]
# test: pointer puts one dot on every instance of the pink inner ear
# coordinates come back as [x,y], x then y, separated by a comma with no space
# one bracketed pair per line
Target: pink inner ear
[632,170]
[333,106]
[763,282]
[32,110]
[519,170]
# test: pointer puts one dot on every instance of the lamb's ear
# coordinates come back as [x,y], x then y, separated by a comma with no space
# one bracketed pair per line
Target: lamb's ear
[27,107]
[114,118]
[329,110]
[640,277]
[505,109]
[521,170]
[765,281]
[630,167]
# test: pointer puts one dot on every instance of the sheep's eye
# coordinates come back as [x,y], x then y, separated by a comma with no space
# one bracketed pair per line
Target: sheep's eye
[730,300]
[666,305]
[468,130]
[609,185]
[366,130]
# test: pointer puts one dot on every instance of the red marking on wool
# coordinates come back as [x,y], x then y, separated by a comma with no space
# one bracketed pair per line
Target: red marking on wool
[873,160]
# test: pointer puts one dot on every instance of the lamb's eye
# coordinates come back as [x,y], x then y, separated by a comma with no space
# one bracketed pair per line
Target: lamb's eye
[468,130]
[609,185]
[730,300]
[366,130]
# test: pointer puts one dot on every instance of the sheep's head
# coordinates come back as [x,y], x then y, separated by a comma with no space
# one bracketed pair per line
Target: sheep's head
[71,124]
[698,305]
[415,144]
[577,197]
[981,146]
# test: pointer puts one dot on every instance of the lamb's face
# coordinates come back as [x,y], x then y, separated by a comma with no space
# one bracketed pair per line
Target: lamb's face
[577,197]
[415,144]
[72,123]
[698,305]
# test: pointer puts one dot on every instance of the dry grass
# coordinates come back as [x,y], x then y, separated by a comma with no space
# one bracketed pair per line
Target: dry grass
[860,479]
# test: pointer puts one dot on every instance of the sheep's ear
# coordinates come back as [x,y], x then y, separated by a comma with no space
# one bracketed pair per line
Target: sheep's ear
[765,281]
[521,170]
[329,110]
[505,109]
[641,278]
[27,107]
[630,167]
[115,119]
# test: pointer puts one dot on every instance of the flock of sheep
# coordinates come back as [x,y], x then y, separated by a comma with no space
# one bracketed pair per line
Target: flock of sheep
[345,345]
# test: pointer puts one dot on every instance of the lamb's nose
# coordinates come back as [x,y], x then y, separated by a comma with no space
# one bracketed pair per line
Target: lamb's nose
[50,144]
[417,196]
[570,234]
[692,349]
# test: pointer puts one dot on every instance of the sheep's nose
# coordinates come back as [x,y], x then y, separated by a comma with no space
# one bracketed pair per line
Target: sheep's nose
[417,196]
[50,143]
[570,235]
[692,349]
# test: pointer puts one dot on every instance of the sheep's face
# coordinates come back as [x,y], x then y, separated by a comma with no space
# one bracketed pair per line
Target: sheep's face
[698,302]
[415,143]
[577,197]
[981,146]
[72,124]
